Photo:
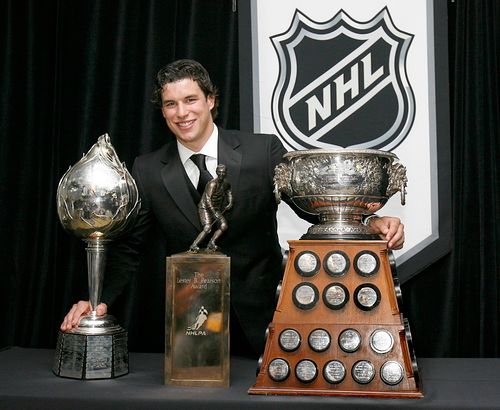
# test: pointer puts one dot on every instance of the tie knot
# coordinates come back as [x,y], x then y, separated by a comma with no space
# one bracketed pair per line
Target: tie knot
[205,176]
[199,161]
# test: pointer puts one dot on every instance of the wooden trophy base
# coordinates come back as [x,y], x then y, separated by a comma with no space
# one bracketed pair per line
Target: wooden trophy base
[338,329]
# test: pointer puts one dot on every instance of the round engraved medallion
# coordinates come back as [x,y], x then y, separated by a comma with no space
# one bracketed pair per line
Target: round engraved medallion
[381,341]
[363,371]
[391,373]
[305,295]
[278,290]
[289,340]
[366,296]
[307,263]
[349,340]
[306,371]
[336,263]
[366,263]
[335,296]
[279,369]
[319,340]
[334,371]
[259,365]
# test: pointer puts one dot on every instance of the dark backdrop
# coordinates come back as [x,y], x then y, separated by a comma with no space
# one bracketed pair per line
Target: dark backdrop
[72,70]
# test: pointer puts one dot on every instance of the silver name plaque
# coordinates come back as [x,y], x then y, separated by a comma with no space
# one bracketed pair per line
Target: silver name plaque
[289,340]
[350,340]
[336,263]
[279,370]
[334,371]
[381,341]
[335,296]
[306,371]
[305,295]
[319,340]
[363,371]
[391,373]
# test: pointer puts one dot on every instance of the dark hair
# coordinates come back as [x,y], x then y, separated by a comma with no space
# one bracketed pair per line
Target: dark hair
[181,69]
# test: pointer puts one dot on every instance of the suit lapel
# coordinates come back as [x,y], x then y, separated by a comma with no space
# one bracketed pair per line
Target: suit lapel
[174,179]
[230,156]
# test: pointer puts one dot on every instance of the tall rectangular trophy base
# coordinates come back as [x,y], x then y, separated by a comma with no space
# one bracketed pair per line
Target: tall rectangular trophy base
[83,356]
[197,320]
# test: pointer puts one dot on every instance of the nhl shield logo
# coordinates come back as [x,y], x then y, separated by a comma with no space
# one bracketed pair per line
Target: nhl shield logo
[343,83]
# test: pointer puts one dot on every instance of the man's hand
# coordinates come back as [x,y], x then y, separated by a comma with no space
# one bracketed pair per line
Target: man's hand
[390,229]
[78,310]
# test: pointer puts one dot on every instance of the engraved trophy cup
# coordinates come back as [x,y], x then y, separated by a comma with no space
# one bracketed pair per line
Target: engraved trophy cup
[97,200]
[340,186]
[338,329]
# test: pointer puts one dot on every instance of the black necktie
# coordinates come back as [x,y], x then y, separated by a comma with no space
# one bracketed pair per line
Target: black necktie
[205,176]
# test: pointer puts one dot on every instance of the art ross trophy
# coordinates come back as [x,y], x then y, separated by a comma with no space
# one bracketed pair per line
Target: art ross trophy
[198,300]
[97,201]
[338,328]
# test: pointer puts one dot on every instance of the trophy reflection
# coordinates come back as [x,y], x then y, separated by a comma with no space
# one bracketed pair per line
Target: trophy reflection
[97,200]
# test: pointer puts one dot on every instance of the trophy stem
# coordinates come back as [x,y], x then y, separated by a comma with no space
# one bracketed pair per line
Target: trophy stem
[339,225]
[96,261]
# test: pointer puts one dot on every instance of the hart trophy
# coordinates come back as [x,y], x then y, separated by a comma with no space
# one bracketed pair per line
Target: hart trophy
[97,201]
[338,328]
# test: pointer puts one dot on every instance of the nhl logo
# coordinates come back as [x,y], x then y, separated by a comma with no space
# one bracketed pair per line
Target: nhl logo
[343,83]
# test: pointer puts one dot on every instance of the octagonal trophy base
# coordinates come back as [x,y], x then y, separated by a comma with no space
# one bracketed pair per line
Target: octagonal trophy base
[96,349]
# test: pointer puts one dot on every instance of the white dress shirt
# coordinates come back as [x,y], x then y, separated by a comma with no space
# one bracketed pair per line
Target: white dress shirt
[210,152]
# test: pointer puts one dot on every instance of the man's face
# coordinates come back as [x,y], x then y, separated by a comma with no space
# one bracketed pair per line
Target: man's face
[187,112]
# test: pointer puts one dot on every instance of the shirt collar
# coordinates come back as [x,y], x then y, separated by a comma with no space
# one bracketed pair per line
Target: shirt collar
[209,149]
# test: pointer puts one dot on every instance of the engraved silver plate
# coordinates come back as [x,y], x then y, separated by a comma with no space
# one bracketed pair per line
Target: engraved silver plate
[363,372]
[289,340]
[319,340]
[335,296]
[366,263]
[391,373]
[307,263]
[279,370]
[305,295]
[336,263]
[306,371]
[366,296]
[349,340]
[381,341]
[334,371]
[259,365]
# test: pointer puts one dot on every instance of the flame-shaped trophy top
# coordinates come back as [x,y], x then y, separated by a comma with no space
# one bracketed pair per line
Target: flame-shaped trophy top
[97,198]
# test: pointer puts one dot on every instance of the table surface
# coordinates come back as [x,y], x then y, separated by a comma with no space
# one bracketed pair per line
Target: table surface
[27,382]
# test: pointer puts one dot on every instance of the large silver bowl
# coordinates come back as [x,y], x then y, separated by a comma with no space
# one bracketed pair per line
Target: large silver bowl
[340,186]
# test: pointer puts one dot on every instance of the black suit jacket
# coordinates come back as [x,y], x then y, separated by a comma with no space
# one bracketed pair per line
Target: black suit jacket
[251,240]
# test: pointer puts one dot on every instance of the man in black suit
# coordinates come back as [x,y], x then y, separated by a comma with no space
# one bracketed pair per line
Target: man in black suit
[167,181]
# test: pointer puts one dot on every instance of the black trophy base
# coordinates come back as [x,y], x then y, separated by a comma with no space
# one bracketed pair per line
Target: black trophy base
[87,357]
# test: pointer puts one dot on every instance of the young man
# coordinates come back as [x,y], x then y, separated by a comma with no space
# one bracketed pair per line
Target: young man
[167,178]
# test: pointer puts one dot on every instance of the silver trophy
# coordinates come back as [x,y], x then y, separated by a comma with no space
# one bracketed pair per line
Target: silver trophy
[340,186]
[97,200]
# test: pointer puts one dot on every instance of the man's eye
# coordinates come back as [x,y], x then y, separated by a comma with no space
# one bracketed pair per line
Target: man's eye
[191,100]
[168,104]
